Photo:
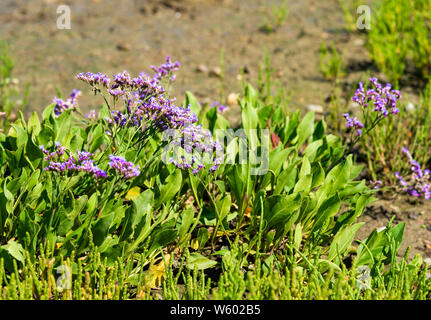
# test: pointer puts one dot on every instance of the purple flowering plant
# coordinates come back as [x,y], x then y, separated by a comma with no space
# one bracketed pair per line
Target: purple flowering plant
[376,103]
[136,112]
[418,181]
[140,109]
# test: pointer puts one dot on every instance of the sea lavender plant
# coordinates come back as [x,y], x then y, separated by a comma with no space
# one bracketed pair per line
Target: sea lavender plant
[166,69]
[123,167]
[418,181]
[71,103]
[82,162]
[94,79]
[148,110]
[146,105]
[194,149]
[58,153]
[91,115]
[376,104]
[353,123]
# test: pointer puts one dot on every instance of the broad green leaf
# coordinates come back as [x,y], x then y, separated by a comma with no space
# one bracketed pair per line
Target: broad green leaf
[101,228]
[203,237]
[343,239]
[327,210]
[192,103]
[162,238]
[305,168]
[223,206]
[303,185]
[186,221]
[298,235]
[305,128]
[171,187]
[34,124]
[279,209]
[249,118]
[286,180]
[197,261]
[318,176]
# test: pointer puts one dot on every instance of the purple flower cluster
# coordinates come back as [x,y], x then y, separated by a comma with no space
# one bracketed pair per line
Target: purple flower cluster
[123,83]
[353,123]
[376,184]
[419,179]
[143,97]
[94,79]
[220,107]
[166,69]
[161,112]
[166,114]
[123,167]
[58,153]
[91,115]
[147,108]
[195,148]
[82,162]
[382,97]
[61,105]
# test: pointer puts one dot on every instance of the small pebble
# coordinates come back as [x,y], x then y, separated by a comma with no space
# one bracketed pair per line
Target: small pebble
[123,47]
[412,215]
[394,209]
[215,72]
[358,42]
[410,107]
[232,99]
[202,68]
[316,108]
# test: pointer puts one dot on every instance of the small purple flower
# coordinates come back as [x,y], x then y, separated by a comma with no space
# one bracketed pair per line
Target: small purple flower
[165,69]
[123,167]
[94,79]
[61,105]
[82,162]
[353,123]
[57,154]
[116,92]
[376,184]
[383,98]
[418,182]
[220,107]
[195,148]
[122,79]
[91,115]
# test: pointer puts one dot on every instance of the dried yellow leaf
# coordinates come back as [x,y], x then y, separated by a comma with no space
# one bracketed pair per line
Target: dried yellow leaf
[133,193]
[157,273]
[194,244]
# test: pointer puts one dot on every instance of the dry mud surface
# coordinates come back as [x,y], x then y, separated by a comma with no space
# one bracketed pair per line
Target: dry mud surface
[110,36]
